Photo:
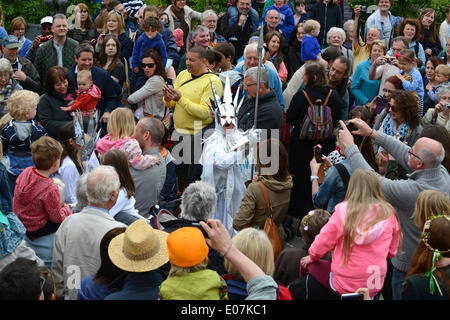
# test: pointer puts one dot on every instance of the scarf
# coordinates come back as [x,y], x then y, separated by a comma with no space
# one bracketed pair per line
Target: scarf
[390,125]
[5,93]
[179,14]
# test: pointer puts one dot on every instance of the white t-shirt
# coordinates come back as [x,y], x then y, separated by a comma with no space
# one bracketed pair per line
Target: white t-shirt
[69,175]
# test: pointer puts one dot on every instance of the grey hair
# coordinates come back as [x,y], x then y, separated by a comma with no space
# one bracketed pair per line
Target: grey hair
[198,201]
[402,39]
[333,30]
[100,183]
[155,127]
[207,13]
[84,47]
[346,26]
[430,159]
[253,46]
[82,200]
[5,65]
[199,29]
[59,16]
[264,75]
[442,90]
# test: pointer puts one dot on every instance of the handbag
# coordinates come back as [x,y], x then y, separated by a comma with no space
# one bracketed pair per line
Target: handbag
[270,228]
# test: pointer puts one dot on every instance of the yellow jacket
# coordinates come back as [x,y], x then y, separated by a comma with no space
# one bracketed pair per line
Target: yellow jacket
[192,106]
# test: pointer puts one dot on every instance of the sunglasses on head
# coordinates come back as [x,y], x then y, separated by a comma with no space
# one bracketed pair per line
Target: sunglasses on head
[148,65]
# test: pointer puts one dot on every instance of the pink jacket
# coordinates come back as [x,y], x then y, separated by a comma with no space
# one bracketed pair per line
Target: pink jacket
[131,147]
[366,267]
[37,200]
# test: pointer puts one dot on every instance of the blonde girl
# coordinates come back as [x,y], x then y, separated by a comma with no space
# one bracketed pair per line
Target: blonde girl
[364,231]
[430,203]
[409,75]
[121,129]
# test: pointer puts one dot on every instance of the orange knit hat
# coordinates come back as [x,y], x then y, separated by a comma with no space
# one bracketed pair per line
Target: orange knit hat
[187,247]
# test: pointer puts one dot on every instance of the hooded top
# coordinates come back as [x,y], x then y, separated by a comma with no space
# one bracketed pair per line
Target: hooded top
[367,263]
[87,100]
[37,200]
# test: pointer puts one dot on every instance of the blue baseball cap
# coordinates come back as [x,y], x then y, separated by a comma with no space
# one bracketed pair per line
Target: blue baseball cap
[11,42]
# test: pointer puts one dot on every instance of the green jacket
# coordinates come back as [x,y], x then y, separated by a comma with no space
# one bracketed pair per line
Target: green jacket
[200,285]
[46,57]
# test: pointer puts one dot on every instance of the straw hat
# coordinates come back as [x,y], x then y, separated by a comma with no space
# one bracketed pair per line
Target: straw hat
[187,247]
[140,248]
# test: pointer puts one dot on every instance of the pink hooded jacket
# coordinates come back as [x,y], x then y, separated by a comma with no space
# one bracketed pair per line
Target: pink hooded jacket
[366,267]
[131,147]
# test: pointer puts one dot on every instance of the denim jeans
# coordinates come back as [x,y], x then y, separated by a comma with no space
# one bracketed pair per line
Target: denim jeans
[233,16]
[398,277]
[43,247]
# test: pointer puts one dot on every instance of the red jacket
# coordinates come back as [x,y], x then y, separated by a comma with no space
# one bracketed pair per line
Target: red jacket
[36,199]
[87,100]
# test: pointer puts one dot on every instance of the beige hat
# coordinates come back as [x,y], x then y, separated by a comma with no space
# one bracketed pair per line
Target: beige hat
[140,248]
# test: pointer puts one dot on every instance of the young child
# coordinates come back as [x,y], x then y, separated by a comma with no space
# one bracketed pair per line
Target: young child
[442,77]
[189,279]
[20,133]
[287,21]
[300,14]
[121,128]
[37,201]
[429,203]
[310,45]
[287,266]
[409,75]
[150,38]
[88,95]
[364,231]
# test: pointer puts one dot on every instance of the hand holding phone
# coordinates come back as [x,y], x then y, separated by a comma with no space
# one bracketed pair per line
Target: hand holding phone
[169,83]
[318,153]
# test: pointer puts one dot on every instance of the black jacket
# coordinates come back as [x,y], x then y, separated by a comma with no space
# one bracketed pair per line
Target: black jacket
[328,15]
[235,34]
[270,115]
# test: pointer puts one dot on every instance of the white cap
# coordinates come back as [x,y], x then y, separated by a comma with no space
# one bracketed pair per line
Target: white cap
[47,19]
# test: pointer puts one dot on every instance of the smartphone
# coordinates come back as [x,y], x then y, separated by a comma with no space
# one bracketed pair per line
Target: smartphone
[381,103]
[318,153]
[352,296]
[169,83]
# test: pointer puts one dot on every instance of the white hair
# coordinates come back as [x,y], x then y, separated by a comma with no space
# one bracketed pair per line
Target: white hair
[82,200]
[338,30]
[430,159]
[100,183]
[198,201]
[253,46]
[442,90]
[264,75]
[348,25]
[5,65]
[207,13]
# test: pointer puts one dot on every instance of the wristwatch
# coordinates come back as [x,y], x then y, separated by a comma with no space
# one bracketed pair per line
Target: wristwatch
[314,178]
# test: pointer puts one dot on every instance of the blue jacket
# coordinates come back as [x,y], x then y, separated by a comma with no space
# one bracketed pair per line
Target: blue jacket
[25,47]
[138,286]
[111,90]
[287,21]
[363,89]
[310,48]
[5,191]
[92,291]
[332,190]
[274,83]
[144,43]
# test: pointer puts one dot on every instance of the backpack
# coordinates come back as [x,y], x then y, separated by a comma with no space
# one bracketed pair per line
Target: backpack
[317,123]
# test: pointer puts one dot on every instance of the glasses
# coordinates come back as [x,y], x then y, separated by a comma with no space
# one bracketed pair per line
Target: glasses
[393,108]
[414,155]
[147,65]
[249,85]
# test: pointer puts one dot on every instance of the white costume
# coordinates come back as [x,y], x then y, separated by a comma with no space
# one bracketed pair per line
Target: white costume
[221,167]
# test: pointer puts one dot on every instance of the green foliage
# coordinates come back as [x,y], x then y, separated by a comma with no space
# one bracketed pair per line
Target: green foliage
[199,5]
[93,7]
[410,8]
[31,10]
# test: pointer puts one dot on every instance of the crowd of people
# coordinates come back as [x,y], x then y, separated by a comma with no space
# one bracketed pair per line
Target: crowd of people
[164,153]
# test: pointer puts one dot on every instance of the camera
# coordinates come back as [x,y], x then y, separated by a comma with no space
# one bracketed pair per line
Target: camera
[390,60]
[45,39]
[363,9]
[447,105]
[351,127]
[169,83]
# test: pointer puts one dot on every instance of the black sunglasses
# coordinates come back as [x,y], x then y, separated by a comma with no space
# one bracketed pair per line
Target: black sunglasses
[148,65]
